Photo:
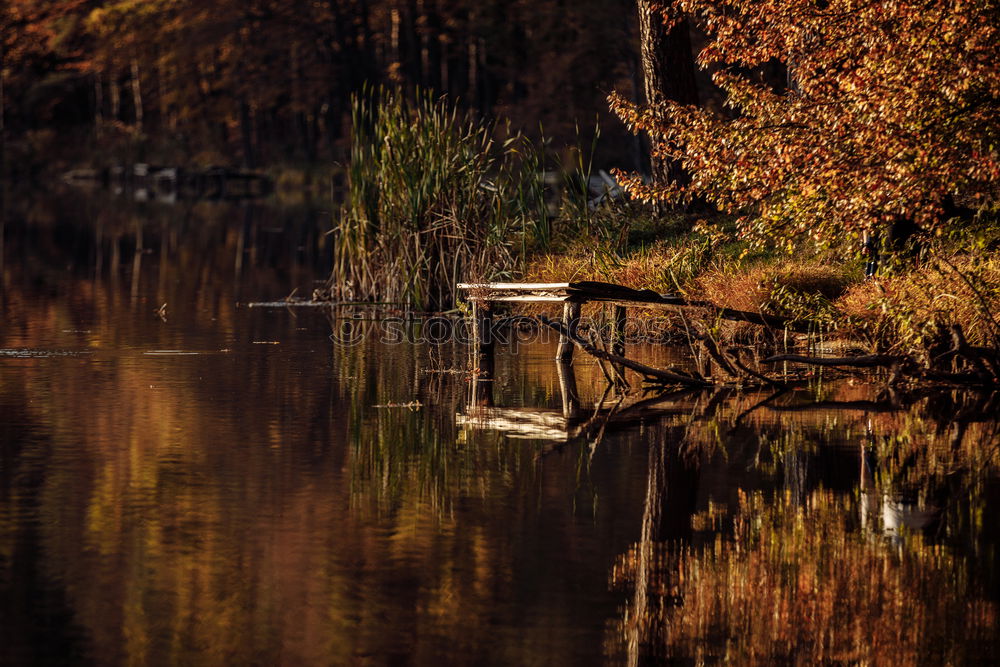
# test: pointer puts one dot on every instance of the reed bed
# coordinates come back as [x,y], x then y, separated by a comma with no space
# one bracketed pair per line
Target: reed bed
[434,198]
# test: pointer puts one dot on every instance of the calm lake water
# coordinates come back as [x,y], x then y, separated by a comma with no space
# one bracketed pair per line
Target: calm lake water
[188,480]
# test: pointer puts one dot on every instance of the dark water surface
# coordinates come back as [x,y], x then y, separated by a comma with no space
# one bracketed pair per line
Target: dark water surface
[188,480]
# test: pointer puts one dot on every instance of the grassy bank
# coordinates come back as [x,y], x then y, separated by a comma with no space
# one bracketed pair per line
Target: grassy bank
[952,280]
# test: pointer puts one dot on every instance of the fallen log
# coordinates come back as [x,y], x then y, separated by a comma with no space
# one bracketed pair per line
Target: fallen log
[901,365]
[656,374]
[864,361]
[734,355]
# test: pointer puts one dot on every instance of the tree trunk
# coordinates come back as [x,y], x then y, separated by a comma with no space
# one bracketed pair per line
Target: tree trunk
[638,154]
[116,99]
[668,74]
[161,93]
[98,102]
[671,500]
[411,44]
[136,94]
[395,53]
[246,134]
[3,127]
[473,70]
[423,39]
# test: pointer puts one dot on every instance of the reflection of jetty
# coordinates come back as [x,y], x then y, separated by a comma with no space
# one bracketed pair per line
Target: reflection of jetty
[520,423]
[569,423]
[541,424]
[524,422]
[148,182]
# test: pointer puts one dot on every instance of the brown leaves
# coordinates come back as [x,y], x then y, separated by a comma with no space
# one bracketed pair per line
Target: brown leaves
[889,108]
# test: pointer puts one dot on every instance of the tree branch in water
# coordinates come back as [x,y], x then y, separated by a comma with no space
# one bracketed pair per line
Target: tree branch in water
[655,374]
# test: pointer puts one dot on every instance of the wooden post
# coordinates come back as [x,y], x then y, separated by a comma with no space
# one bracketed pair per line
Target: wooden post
[482,328]
[571,318]
[567,387]
[481,386]
[618,332]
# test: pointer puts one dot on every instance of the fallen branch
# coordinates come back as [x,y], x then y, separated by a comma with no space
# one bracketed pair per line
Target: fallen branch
[655,374]
[757,406]
[985,360]
[958,379]
[867,361]
[900,365]
[713,351]
[734,355]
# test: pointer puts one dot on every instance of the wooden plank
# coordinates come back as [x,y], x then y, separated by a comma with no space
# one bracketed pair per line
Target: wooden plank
[583,285]
[512,286]
[582,291]
[528,298]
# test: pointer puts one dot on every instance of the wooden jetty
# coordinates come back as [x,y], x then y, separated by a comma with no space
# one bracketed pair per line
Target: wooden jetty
[574,294]
[979,367]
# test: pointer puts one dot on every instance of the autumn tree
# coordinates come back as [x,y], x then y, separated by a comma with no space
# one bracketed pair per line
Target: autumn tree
[668,76]
[891,111]
[41,59]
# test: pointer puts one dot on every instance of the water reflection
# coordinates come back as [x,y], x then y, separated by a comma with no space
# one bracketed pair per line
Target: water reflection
[215,484]
[895,566]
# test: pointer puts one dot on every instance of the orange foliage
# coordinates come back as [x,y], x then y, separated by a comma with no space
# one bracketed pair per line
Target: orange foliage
[890,109]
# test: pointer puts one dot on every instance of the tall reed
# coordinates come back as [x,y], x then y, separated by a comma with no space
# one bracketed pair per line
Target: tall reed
[434,199]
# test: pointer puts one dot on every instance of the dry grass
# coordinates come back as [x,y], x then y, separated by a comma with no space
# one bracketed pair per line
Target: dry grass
[946,291]
[663,267]
[900,311]
[756,287]
[686,267]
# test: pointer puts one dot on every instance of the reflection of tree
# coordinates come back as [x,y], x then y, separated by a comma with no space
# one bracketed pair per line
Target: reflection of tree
[241,506]
[670,500]
[82,263]
[796,579]
[798,583]
[230,508]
